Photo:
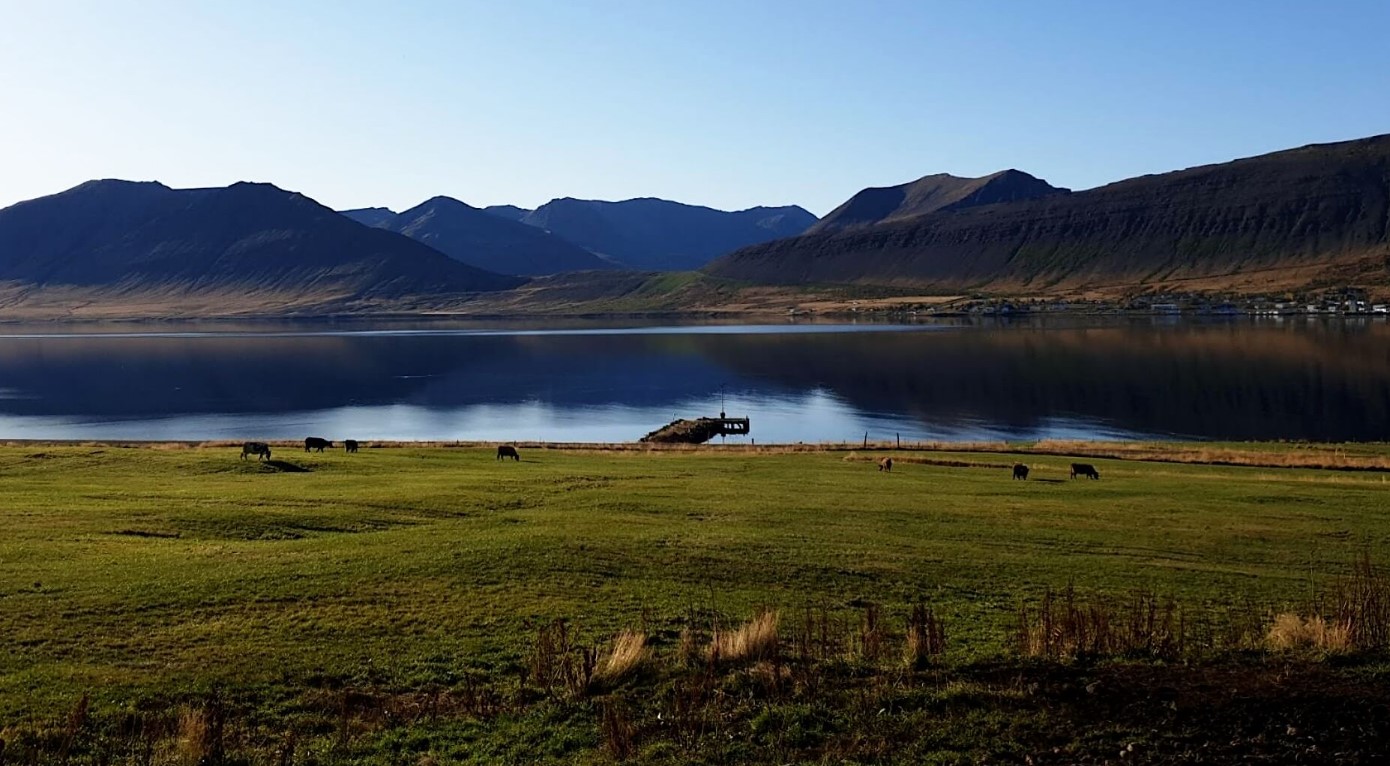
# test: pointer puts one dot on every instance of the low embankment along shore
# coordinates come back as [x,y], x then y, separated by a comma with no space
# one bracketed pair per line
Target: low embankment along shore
[1357,456]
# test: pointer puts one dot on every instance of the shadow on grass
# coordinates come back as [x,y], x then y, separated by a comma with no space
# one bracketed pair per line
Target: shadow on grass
[284,466]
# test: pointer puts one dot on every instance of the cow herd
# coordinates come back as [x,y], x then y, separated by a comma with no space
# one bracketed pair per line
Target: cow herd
[261,450]
[1082,470]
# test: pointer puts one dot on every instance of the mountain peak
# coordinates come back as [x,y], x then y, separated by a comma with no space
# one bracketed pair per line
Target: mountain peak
[117,183]
[444,201]
[930,194]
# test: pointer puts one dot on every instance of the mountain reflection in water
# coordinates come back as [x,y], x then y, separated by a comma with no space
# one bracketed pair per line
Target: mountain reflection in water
[1294,380]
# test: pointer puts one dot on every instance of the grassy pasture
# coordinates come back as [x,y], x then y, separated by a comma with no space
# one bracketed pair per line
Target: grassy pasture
[139,574]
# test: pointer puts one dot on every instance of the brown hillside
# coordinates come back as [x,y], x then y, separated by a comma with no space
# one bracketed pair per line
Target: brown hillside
[1312,216]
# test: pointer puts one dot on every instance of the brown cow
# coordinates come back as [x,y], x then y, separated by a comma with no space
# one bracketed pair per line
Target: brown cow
[507,451]
[885,464]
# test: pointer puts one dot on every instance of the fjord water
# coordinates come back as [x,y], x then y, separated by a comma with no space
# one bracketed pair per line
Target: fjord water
[1316,379]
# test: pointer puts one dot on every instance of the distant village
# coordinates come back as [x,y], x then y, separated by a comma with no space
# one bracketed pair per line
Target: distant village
[1348,302]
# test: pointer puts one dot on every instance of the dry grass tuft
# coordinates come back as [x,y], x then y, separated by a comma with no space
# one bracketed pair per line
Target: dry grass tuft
[926,637]
[629,653]
[753,640]
[1291,632]
[618,730]
[688,650]
[558,664]
[1362,601]
[197,737]
[1064,625]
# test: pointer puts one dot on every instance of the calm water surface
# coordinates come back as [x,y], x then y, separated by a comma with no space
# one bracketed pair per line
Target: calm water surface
[1296,379]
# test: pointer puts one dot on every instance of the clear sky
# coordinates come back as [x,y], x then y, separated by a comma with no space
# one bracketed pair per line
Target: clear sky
[725,103]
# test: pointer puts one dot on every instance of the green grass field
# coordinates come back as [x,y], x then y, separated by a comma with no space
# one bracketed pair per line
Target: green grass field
[154,579]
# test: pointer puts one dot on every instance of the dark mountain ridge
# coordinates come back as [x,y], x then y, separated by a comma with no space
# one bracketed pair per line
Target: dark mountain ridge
[375,217]
[245,238]
[656,234]
[930,194]
[509,212]
[483,240]
[1313,208]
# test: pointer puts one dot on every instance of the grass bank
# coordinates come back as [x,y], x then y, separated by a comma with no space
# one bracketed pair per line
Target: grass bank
[414,603]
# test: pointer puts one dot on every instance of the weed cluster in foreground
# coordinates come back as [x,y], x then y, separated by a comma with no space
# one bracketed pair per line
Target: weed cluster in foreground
[748,696]
[401,606]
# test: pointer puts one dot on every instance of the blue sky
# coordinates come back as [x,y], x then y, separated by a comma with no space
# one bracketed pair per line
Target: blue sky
[721,103]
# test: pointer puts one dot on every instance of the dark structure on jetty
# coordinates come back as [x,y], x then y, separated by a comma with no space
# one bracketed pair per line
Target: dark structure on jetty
[697,431]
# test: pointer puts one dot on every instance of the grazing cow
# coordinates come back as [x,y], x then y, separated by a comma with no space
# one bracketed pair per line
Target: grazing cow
[885,464]
[1020,471]
[507,450]
[260,449]
[315,443]
[1084,469]
[349,445]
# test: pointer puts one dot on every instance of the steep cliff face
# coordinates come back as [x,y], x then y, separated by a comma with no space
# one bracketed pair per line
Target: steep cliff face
[1308,206]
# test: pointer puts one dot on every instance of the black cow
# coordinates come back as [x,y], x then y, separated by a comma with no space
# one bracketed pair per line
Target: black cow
[885,464]
[1084,469]
[349,445]
[315,443]
[507,451]
[260,449]
[1020,471]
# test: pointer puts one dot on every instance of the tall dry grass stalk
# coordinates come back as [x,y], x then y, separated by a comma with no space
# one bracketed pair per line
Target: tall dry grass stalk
[820,635]
[1291,632]
[753,640]
[1361,601]
[872,634]
[628,654]
[558,663]
[618,731]
[198,736]
[688,648]
[926,637]
[1064,625]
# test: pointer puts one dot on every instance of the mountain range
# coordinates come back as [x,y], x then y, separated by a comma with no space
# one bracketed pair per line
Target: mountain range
[1313,218]
[123,237]
[1301,218]
[658,235]
[481,239]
